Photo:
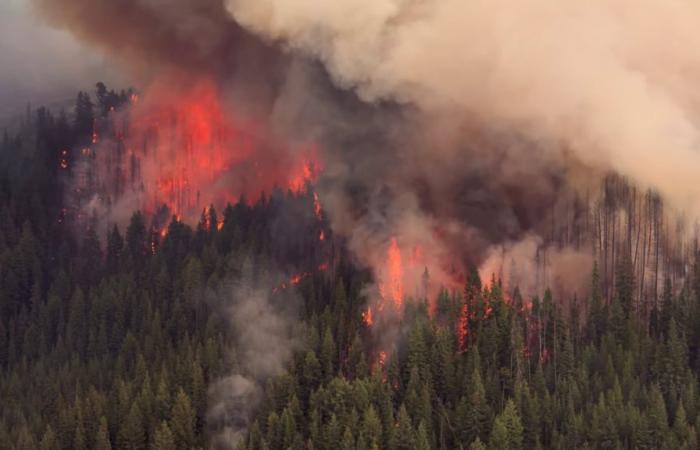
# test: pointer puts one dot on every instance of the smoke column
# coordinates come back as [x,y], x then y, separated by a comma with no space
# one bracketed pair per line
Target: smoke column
[613,81]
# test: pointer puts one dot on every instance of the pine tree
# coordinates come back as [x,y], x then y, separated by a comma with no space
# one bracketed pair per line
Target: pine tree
[79,438]
[681,428]
[348,442]
[511,420]
[477,445]
[405,437]
[102,438]
[328,354]
[474,413]
[182,421]
[132,434]
[499,436]
[624,284]
[422,438]
[163,438]
[49,441]
[657,417]
[371,429]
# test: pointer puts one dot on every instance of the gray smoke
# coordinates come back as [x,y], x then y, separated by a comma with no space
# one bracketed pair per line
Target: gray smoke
[266,333]
[42,66]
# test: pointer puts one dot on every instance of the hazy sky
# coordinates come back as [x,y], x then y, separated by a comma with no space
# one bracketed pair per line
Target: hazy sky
[39,64]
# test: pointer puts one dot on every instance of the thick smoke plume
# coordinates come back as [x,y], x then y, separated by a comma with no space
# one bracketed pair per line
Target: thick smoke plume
[612,81]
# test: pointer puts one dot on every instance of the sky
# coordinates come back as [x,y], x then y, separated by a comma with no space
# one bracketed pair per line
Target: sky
[41,65]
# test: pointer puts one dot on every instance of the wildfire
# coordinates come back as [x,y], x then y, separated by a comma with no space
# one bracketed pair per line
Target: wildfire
[416,255]
[188,147]
[95,136]
[381,364]
[367,317]
[393,286]
[64,159]
[308,171]
[317,207]
[296,279]
[463,328]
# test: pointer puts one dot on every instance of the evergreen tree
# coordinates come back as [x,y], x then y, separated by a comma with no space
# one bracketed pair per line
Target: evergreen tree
[405,437]
[102,441]
[182,421]
[163,438]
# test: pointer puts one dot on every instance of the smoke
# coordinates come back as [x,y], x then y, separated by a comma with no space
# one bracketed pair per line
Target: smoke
[455,129]
[266,334]
[613,81]
[533,267]
[41,65]
[507,108]
[451,132]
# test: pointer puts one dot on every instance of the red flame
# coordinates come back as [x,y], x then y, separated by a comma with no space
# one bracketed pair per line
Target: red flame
[95,136]
[367,317]
[393,286]
[382,359]
[296,279]
[64,159]
[462,328]
[317,207]
[187,149]
[304,173]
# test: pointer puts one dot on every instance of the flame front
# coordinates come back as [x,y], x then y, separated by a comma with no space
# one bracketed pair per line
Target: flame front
[394,287]
[187,148]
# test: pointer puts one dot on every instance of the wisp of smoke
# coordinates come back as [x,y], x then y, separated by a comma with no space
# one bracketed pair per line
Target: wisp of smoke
[266,335]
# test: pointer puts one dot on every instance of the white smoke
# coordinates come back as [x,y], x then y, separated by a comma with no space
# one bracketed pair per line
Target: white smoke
[612,80]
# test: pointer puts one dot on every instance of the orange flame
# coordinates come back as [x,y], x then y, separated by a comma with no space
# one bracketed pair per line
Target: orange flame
[296,279]
[395,274]
[367,317]
[317,207]
[307,172]
[462,328]
[187,149]
[382,359]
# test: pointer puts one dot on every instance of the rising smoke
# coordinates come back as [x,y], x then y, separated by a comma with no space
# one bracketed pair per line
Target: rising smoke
[453,128]
[266,334]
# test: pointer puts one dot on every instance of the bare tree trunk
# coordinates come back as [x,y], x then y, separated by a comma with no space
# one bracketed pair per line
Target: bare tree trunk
[658,239]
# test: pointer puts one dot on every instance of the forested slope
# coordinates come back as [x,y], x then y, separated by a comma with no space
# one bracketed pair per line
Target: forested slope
[113,341]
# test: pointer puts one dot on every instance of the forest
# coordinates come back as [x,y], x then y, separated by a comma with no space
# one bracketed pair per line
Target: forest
[113,340]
